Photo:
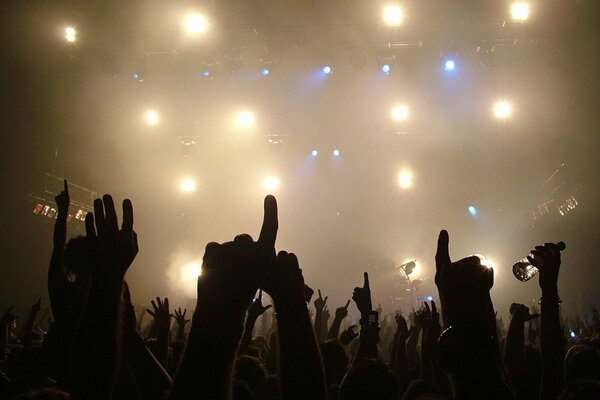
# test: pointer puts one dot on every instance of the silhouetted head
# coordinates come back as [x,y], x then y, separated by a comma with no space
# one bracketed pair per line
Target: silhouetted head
[76,256]
[369,379]
[582,362]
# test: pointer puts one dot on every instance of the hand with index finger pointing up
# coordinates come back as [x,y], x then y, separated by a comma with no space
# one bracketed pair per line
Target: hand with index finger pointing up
[362,297]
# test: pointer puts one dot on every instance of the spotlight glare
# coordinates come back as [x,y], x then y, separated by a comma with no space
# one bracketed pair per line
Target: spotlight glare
[70,34]
[429,298]
[405,179]
[271,183]
[265,72]
[327,70]
[400,113]
[336,153]
[206,73]
[188,185]
[152,117]
[449,65]
[472,211]
[519,12]
[195,24]
[502,110]
[245,119]
[314,153]
[393,15]
[385,68]
[190,272]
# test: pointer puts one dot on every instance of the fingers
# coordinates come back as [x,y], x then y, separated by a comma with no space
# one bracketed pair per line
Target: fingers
[110,214]
[154,304]
[90,229]
[66,187]
[99,217]
[268,232]
[366,281]
[260,294]
[428,310]
[127,224]
[325,299]
[433,307]
[347,304]
[320,293]
[442,255]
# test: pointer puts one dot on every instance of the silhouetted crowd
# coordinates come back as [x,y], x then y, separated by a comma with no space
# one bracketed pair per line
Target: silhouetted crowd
[93,344]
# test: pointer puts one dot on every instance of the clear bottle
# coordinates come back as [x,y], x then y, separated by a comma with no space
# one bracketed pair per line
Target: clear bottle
[524,271]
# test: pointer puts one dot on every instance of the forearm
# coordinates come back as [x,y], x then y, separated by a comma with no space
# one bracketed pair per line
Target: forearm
[207,365]
[301,368]
[426,372]
[514,346]
[318,324]
[96,351]
[411,346]
[552,347]
[367,347]
[334,330]
[247,336]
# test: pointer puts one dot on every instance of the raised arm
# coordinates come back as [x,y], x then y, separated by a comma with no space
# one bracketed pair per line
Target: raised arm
[231,274]
[340,314]
[96,348]
[56,273]
[369,330]
[320,303]
[301,368]
[162,322]
[552,345]
[256,310]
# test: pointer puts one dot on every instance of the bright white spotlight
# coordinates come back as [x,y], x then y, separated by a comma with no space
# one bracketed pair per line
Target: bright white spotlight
[336,153]
[449,65]
[472,211]
[393,15]
[519,12]
[188,185]
[405,179]
[206,73]
[327,70]
[195,23]
[70,34]
[152,117]
[271,183]
[244,119]
[430,298]
[385,68]
[265,72]
[502,110]
[314,153]
[399,113]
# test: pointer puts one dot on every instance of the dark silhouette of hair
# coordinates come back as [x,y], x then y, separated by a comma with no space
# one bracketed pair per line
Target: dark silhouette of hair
[369,379]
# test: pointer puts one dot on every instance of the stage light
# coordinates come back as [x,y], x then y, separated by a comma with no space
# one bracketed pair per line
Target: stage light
[314,153]
[393,15]
[502,110]
[70,34]
[400,113]
[405,179]
[519,12]
[327,70]
[152,117]
[244,119]
[271,183]
[472,211]
[385,68]
[265,72]
[136,76]
[449,65]
[429,298]
[195,23]
[336,153]
[572,334]
[206,73]
[188,185]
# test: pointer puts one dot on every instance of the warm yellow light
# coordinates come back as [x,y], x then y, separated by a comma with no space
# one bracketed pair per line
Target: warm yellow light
[70,34]
[502,110]
[152,117]
[188,185]
[271,183]
[195,23]
[190,272]
[244,119]
[519,12]
[393,15]
[486,262]
[399,113]
[405,179]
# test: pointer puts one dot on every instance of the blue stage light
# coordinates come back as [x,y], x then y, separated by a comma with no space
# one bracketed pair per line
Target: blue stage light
[206,73]
[472,211]
[336,152]
[449,65]
[429,298]
[314,153]
[135,76]
[385,68]
[327,70]
[265,72]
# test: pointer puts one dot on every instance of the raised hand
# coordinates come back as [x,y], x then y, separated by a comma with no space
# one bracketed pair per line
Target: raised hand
[547,259]
[320,301]
[308,293]
[179,317]
[463,286]
[111,250]
[63,200]
[348,335]
[362,297]
[521,312]
[342,312]
[8,317]
[160,313]
[234,270]
[256,308]
[326,314]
